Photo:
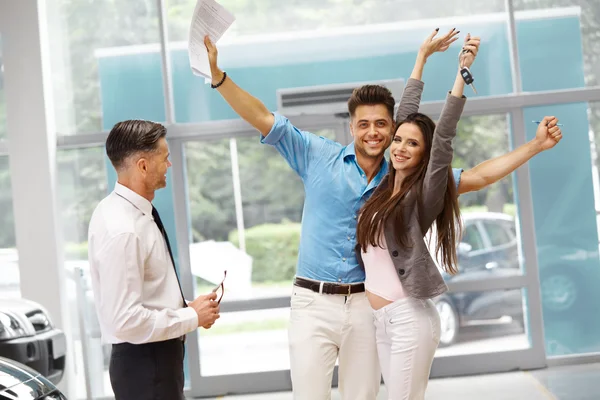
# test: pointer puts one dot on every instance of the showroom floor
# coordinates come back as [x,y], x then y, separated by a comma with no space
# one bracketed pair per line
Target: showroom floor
[577,382]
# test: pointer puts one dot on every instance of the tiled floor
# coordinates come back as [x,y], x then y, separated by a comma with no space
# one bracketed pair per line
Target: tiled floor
[578,382]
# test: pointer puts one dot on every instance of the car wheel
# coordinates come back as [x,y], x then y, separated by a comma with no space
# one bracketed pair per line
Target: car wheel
[559,292]
[448,322]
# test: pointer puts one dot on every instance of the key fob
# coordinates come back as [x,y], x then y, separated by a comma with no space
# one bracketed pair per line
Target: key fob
[466,75]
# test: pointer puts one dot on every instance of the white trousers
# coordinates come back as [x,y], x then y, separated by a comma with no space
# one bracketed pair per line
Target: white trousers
[324,327]
[408,333]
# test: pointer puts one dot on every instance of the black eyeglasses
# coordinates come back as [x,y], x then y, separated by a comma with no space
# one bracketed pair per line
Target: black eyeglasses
[222,286]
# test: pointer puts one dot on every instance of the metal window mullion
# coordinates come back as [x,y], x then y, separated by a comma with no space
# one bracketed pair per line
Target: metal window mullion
[528,241]
[166,62]
[180,206]
[486,285]
[514,48]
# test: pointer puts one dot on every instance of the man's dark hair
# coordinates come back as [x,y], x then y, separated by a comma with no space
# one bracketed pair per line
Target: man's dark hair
[371,95]
[132,136]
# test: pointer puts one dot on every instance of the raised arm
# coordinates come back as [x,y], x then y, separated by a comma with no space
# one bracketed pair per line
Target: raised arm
[490,171]
[436,177]
[411,96]
[251,109]
[299,148]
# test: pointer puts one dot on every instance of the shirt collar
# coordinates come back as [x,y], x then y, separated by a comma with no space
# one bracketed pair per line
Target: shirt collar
[350,151]
[138,201]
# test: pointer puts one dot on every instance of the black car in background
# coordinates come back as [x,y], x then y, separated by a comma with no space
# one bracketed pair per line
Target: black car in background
[27,335]
[490,249]
[19,382]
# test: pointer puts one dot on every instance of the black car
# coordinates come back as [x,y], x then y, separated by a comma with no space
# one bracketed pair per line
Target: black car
[490,249]
[19,382]
[27,335]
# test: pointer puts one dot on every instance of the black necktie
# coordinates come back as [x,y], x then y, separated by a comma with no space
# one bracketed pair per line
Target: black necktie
[164,233]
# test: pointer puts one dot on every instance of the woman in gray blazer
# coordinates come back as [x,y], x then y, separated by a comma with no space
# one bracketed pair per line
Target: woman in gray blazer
[401,276]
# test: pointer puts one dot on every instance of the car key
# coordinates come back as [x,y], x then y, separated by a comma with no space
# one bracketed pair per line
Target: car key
[467,75]
[468,78]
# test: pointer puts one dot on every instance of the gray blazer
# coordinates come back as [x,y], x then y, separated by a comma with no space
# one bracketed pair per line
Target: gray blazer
[416,269]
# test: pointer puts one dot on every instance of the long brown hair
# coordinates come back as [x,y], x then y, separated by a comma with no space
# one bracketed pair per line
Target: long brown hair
[375,212]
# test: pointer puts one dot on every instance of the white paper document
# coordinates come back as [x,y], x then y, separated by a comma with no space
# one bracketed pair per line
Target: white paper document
[212,19]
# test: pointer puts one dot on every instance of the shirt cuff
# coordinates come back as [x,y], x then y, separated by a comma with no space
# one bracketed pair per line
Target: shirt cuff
[277,130]
[189,319]
[457,175]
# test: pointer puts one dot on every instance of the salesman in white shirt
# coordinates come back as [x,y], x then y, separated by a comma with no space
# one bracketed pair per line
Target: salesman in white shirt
[139,301]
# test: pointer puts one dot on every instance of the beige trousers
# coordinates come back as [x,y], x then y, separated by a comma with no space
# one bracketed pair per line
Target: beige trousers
[323,328]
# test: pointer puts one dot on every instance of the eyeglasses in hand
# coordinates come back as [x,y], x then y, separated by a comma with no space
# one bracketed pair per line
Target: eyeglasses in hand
[222,286]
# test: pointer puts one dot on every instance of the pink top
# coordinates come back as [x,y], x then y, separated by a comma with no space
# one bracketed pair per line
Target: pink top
[381,276]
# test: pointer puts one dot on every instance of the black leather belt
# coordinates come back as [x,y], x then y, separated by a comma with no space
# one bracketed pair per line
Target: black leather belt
[329,287]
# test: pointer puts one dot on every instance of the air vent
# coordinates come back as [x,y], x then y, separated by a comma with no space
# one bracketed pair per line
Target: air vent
[326,99]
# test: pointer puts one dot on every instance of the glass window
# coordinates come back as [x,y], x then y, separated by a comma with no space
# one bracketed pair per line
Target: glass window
[267,17]
[472,237]
[564,190]
[2,101]
[253,233]
[9,259]
[246,342]
[82,184]
[496,233]
[277,44]
[570,29]
[594,117]
[470,323]
[85,36]
[481,322]
[480,138]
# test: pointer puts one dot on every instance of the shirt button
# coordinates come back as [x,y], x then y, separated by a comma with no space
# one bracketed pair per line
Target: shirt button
[395,253]
[344,259]
[402,272]
[355,217]
[349,238]
[340,279]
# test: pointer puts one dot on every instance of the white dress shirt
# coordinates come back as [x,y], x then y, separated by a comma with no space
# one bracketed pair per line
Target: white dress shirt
[135,288]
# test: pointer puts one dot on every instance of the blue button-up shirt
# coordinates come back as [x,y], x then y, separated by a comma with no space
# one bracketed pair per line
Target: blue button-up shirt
[335,188]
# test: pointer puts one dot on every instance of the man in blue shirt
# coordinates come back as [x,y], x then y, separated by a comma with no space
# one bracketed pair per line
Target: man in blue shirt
[331,318]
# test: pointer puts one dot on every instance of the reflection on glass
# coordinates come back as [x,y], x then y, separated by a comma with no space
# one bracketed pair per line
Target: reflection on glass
[261,262]
[481,322]
[247,341]
[81,186]
[9,259]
